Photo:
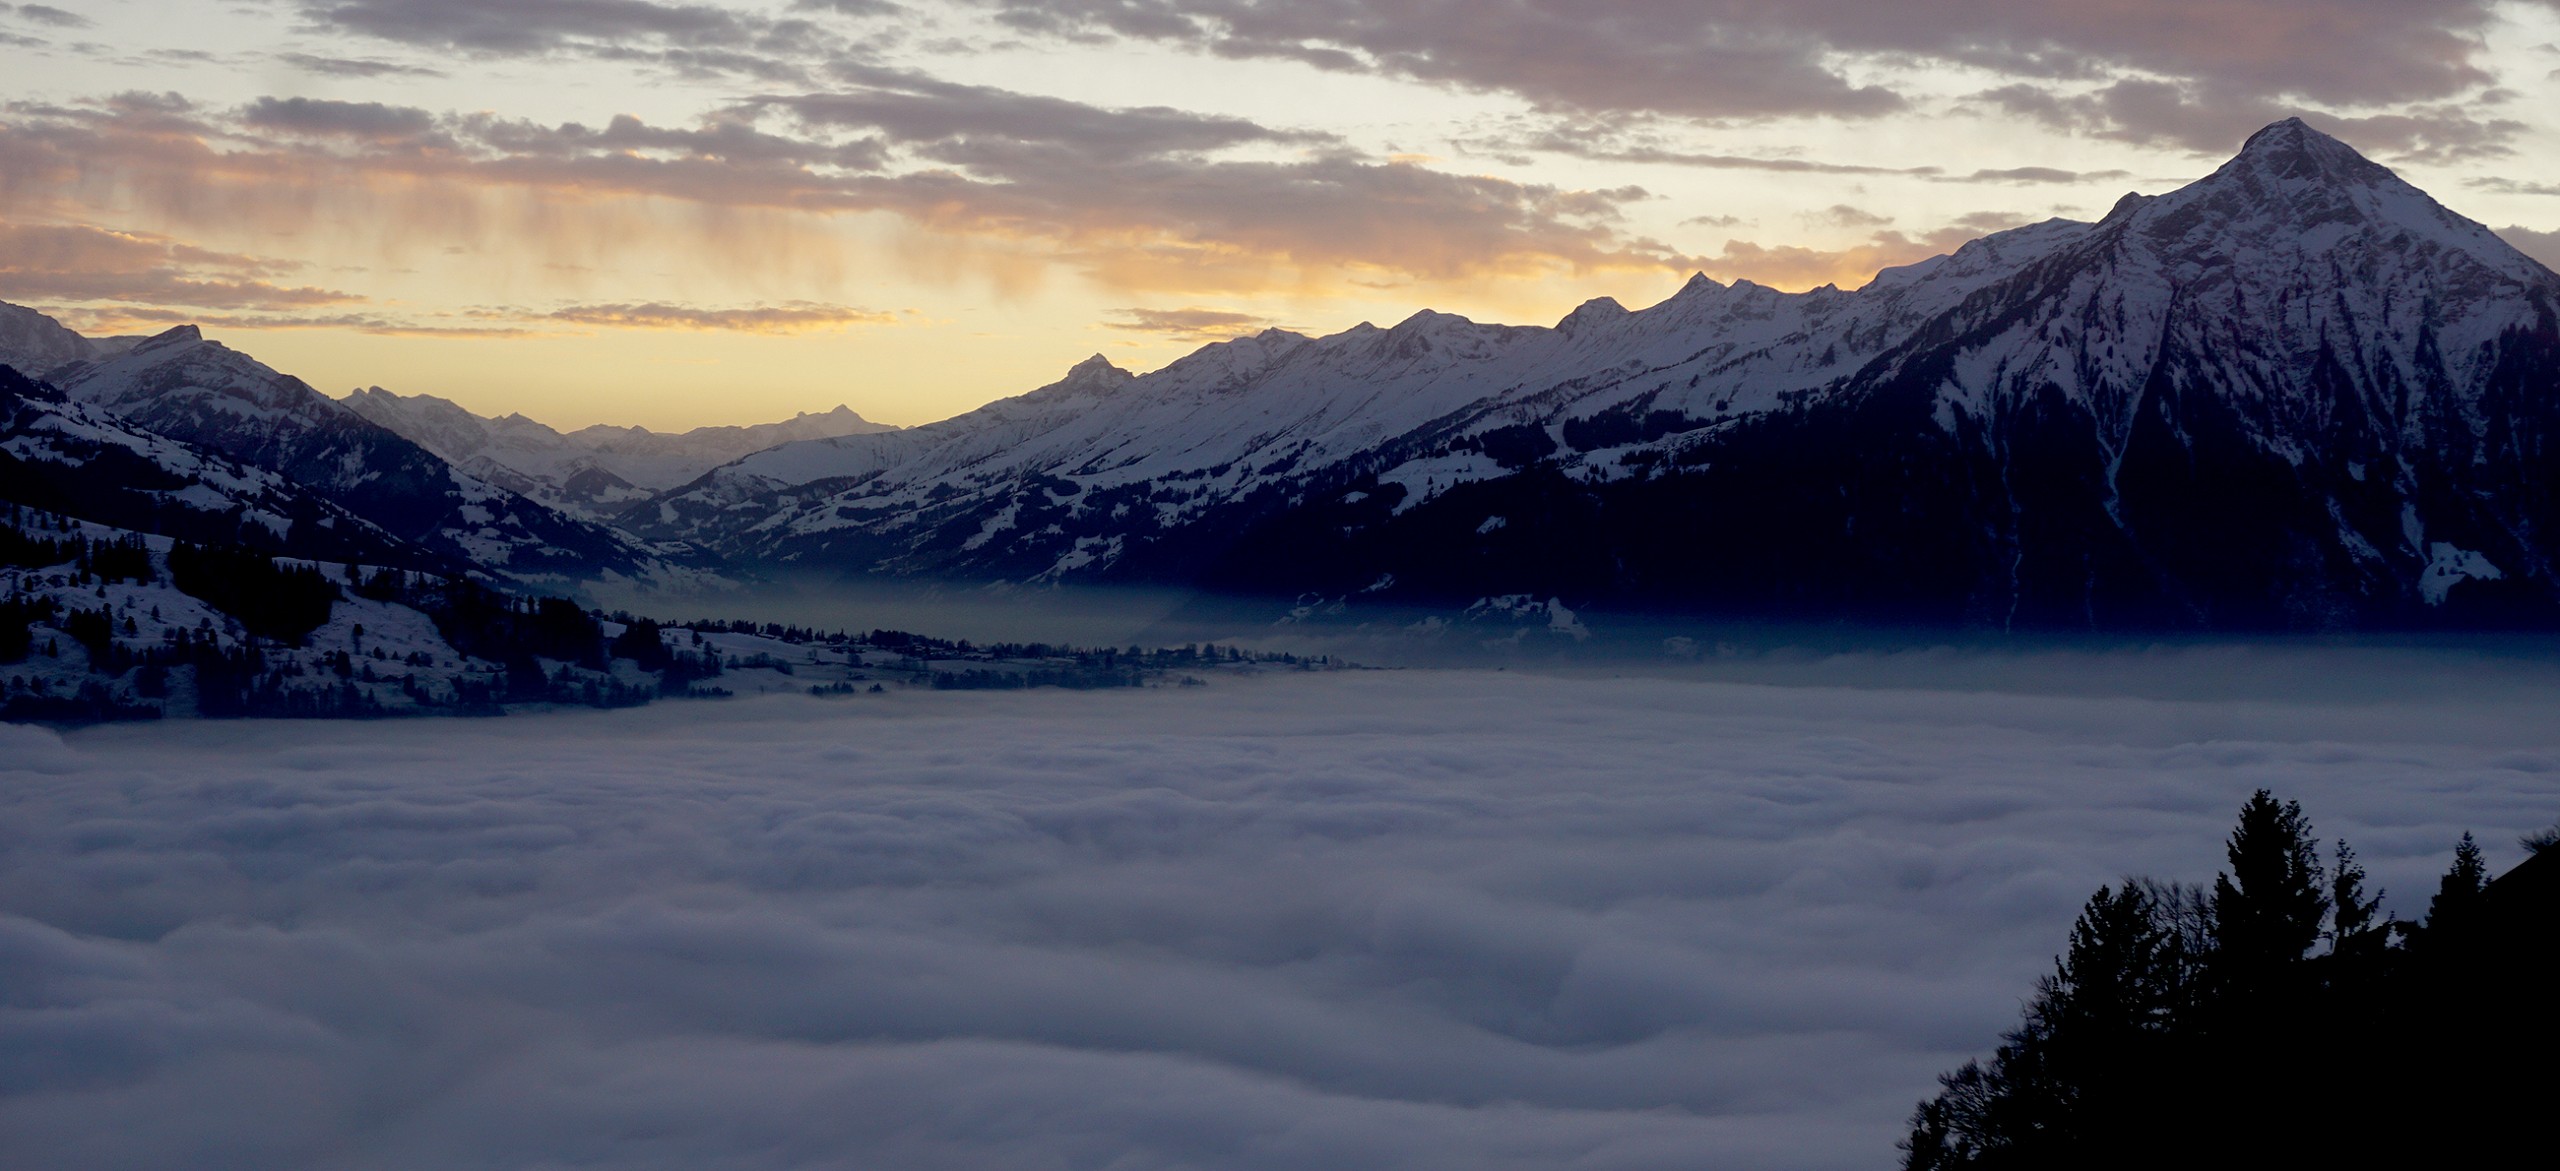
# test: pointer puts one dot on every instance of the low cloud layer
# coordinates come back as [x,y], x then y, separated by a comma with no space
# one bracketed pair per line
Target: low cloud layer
[1368,920]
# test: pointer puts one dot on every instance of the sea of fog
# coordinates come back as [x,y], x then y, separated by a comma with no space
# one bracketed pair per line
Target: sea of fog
[1359,919]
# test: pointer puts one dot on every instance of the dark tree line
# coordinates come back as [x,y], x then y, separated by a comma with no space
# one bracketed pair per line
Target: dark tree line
[271,599]
[2276,1018]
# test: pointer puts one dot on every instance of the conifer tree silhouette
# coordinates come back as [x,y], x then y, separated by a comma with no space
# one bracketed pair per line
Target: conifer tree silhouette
[2267,910]
[2462,890]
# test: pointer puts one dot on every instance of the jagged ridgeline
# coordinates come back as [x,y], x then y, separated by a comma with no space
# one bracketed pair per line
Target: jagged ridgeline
[2295,395]
[103,624]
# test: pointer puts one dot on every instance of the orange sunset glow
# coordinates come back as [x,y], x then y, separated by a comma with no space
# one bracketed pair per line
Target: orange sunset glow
[684,214]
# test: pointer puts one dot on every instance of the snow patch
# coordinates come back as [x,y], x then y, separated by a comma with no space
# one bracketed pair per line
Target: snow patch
[2448,566]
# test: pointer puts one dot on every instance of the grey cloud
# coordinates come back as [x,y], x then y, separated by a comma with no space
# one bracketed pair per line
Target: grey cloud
[517,26]
[867,8]
[1729,58]
[1135,198]
[1841,215]
[2542,246]
[1600,146]
[2504,186]
[1366,920]
[316,116]
[55,17]
[2024,175]
[2214,120]
[919,110]
[363,67]
[1632,56]
[708,40]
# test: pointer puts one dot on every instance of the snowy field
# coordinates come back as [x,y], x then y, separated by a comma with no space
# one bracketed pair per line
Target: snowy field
[1358,920]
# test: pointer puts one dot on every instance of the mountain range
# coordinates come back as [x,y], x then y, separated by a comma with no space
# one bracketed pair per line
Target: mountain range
[2297,394]
[592,472]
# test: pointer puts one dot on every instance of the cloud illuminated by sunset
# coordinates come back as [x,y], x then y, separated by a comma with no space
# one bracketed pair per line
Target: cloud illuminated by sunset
[575,209]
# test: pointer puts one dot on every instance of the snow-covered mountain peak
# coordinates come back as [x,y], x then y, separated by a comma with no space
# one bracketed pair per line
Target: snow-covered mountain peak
[2294,196]
[176,335]
[1093,376]
[2132,201]
[2291,151]
[1093,369]
[1594,312]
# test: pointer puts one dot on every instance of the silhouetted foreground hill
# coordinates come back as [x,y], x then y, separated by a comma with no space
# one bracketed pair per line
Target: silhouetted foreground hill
[2275,1020]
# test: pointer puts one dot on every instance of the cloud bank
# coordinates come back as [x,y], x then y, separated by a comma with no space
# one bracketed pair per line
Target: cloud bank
[1753,58]
[1143,198]
[1370,920]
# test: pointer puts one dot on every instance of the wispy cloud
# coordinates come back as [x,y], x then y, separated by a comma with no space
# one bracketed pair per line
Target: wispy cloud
[2213,118]
[1796,266]
[76,262]
[1191,325]
[366,68]
[787,318]
[1140,198]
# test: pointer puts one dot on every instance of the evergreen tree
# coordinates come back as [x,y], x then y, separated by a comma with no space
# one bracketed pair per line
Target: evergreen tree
[2356,927]
[2269,908]
[2084,1078]
[2463,888]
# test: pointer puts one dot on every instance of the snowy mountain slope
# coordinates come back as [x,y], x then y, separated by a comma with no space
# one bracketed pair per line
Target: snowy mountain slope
[73,459]
[101,623]
[36,345]
[1138,455]
[183,387]
[2295,394]
[593,471]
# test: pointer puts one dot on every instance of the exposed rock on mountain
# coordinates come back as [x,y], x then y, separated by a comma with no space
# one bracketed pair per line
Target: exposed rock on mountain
[2296,394]
[66,457]
[209,398]
[35,345]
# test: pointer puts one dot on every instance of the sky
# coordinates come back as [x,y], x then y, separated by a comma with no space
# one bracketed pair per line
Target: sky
[727,211]
[1348,921]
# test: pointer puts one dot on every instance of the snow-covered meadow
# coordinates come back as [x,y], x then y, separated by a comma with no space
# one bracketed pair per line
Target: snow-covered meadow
[1409,919]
